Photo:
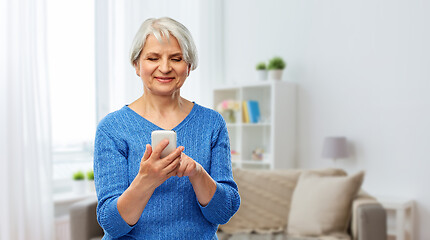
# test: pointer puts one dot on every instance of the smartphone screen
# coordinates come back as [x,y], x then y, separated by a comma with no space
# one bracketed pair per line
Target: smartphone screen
[159,135]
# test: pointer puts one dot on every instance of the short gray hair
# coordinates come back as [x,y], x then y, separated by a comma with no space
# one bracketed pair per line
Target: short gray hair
[164,27]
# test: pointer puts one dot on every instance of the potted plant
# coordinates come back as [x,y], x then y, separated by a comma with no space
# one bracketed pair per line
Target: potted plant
[79,182]
[276,67]
[90,177]
[261,71]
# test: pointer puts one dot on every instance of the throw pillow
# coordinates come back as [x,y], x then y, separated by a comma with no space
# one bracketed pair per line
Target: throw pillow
[265,199]
[321,205]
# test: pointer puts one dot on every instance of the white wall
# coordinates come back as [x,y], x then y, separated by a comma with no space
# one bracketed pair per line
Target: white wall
[363,70]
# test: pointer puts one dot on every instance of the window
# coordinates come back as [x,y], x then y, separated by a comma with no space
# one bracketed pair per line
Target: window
[71,71]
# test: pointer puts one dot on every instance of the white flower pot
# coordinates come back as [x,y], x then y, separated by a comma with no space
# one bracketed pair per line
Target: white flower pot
[276,74]
[79,186]
[91,186]
[262,75]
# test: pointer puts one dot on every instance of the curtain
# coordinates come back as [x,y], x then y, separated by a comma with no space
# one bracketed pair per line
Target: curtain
[116,24]
[26,206]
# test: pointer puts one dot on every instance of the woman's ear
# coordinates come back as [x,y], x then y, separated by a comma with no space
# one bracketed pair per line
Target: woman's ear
[137,67]
[189,69]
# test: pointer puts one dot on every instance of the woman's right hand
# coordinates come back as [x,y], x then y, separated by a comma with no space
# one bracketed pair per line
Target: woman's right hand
[155,171]
[152,173]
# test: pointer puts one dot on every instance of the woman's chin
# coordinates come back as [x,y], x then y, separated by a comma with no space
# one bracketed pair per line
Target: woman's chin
[164,91]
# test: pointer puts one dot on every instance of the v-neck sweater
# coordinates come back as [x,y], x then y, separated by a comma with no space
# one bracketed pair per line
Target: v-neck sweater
[173,211]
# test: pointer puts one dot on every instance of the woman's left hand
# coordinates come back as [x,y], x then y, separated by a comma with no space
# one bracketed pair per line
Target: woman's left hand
[188,167]
[203,184]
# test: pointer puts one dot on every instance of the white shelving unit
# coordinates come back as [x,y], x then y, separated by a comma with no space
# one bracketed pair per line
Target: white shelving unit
[276,131]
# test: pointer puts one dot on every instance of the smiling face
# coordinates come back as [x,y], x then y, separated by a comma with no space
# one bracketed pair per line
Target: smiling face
[161,66]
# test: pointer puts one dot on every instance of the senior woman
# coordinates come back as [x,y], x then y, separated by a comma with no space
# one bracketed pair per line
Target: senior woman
[185,195]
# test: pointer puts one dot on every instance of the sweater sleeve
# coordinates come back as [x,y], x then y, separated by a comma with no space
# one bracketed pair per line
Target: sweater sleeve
[226,200]
[111,180]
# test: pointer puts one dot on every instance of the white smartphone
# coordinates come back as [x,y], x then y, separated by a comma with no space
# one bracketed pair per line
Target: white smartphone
[159,135]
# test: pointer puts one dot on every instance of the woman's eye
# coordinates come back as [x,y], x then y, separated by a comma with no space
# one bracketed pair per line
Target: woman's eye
[152,59]
[176,59]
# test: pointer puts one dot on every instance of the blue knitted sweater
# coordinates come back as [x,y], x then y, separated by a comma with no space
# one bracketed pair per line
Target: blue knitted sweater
[173,211]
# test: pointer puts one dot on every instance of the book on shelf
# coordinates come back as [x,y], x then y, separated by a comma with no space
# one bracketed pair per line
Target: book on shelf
[245,116]
[254,111]
[251,111]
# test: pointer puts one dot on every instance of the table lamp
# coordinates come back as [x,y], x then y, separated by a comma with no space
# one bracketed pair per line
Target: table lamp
[335,148]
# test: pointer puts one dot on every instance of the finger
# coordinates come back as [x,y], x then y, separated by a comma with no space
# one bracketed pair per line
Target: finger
[172,168]
[170,159]
[160,147]
[194,169]
[182,167]
[147,153]
[171,174]
[173,155]
[184,163]
[189,169]
[174,172]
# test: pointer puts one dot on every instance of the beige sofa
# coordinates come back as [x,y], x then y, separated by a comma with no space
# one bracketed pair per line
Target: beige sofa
[321,204]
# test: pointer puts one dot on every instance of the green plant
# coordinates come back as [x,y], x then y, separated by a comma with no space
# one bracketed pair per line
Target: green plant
[79,175]
[261,66]
[276,63]
[90,175]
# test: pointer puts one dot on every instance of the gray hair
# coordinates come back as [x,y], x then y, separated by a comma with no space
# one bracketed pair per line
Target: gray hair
[164,27]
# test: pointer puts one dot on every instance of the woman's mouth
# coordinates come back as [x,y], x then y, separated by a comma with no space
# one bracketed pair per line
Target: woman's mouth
[164,79]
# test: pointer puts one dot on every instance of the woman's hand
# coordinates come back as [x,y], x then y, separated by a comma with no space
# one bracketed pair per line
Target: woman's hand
[203,184]
[154,170]
[188,167]
[152,173]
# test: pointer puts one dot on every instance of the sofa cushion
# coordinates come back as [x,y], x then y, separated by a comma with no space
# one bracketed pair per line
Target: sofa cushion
[321,205]
[338,236]
[265,199]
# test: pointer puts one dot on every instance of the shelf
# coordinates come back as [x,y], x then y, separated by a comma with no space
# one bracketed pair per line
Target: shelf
[248,124]
[256,124]
[255,162]
[71,197]
[274,134]
[251,162]
[249,85]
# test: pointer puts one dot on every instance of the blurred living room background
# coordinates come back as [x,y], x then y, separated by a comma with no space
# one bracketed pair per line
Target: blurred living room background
[354,69]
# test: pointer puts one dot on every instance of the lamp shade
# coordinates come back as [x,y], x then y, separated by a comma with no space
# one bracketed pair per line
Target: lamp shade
[335,147]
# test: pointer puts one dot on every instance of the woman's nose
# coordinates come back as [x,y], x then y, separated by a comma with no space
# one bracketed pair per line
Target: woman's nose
[165,66]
